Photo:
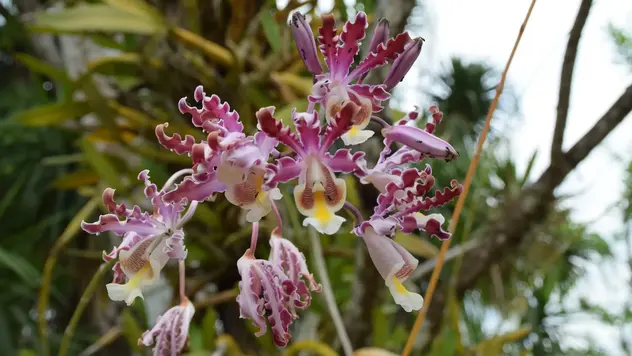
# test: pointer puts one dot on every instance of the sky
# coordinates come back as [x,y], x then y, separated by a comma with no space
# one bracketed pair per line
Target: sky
[486,30]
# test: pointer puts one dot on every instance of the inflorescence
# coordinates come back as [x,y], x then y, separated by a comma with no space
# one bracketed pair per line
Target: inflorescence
[248,170]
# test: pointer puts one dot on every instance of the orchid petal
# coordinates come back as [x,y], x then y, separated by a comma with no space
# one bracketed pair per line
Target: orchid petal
[174,143]
[328,40]
[385,52]
[199,188]
[346,162]
[352,34]
[275,129]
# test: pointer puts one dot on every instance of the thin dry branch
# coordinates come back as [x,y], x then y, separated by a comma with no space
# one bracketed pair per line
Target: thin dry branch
[566,79]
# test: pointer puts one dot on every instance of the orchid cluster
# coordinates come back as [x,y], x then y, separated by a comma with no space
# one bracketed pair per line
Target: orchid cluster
[248,170]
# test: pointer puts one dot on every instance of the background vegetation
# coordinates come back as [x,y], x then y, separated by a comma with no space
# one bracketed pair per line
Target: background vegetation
[84,83]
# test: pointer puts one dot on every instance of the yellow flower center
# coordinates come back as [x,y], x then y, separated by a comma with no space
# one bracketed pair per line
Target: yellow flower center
[399,287]
[321,212]
[143,273]
[354,130]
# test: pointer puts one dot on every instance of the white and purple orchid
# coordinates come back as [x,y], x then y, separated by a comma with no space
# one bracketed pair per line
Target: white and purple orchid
[249,171]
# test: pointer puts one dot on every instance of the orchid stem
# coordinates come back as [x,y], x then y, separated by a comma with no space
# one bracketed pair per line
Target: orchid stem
[182,276]
[175,176]
[328,293]
[355,212]
[277,214]
[310,107]
[83,303]
[380,121]
[188,215]
[253,239]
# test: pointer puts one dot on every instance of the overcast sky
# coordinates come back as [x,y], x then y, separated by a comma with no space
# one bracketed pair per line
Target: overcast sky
[486,30]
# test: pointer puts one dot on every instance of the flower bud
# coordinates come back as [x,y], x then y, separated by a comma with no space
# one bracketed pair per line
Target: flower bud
[420,140]
[305,43]
[403,63]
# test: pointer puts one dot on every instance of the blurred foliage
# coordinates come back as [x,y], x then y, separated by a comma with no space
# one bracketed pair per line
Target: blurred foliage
[88,81]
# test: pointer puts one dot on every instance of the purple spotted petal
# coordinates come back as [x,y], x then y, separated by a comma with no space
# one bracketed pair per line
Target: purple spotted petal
[308,128]
[352,33]
[380,36]
[385,52]
[275,129]
[328,39]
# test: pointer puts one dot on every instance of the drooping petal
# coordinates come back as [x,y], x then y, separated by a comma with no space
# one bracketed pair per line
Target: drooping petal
[375,93]
[283,253]
[403,63]
[174,143]
[385,52]
[346,162]
[199,188]
[328,40]
[275,129]
[285,169]
[380,36]
[308,128]
[420,140]
[305,43]
[263,290]
[170,333]
[339,125]
[352,34]
[394,264]
[110,222]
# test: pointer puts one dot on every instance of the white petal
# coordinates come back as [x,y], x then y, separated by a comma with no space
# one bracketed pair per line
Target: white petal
[407,300]
[328,227]
[123,292]
[356,137]
[275,194]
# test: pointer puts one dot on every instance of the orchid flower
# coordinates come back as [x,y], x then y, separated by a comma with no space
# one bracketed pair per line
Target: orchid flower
[149,240]
[335,88]
[318,194]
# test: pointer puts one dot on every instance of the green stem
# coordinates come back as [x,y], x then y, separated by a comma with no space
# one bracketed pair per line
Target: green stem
[328,292]
[83,303]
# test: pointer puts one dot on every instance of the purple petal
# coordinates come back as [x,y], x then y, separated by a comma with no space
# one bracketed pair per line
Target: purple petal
[305,43]
[198,189]
[380,34]
[384,53]
[344,161]
[308,128]
[275,129]
[339,125]
[375,93]
[170,334]
[403,63]
[110,222]
[328,39]
[352,34]
[285,169]
[174,143]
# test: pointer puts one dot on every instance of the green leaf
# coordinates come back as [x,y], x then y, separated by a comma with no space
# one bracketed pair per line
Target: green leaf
[208,329]
[527,171]
[52,114]
[38,66]
[100,162]
[136,7]
[75,180]
[285,113]
[96,17]
[271,30]
[20,266]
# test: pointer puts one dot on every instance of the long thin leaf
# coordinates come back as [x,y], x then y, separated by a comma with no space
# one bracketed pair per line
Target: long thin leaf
[38,66]
[20,266]
[52,114]
[96,17]
[100,162]
[271,30]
